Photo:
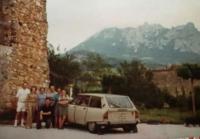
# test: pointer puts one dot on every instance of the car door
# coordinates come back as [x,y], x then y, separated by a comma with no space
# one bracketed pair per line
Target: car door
[72,108]
[95,111]
[81,110]
[71,113]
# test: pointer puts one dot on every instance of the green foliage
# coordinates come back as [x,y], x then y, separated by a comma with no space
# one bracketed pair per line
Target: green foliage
[94,74]
[190,71]
[63,68]
[94,68]
[135,81]
[173,116]
[197,96]
[182,102]
[169,99]
[114,83]
[187,71]
[94,62]
[184,72]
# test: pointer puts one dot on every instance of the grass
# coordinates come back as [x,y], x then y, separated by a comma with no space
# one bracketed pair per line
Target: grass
[172,116]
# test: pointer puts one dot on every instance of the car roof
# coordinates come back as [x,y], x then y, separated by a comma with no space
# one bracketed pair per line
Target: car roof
[100,94]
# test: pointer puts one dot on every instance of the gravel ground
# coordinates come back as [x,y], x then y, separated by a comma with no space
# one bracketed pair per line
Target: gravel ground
[145,131]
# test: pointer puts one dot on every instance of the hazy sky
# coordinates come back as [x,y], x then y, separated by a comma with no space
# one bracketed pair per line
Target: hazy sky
[73,21]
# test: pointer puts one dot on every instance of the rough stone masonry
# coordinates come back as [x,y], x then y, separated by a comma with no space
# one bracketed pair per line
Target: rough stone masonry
[23,45]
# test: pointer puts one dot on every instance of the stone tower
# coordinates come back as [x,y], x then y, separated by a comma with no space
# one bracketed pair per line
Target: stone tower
[23,45]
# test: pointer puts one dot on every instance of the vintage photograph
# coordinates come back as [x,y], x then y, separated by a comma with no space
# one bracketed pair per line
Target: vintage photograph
[100,69]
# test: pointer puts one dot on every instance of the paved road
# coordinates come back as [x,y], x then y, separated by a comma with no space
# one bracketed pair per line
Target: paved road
[145,132]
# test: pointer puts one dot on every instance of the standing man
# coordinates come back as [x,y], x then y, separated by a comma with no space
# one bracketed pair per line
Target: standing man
[21,96]
[53,95]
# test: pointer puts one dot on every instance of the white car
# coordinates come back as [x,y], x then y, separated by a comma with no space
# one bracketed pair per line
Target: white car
[101,111]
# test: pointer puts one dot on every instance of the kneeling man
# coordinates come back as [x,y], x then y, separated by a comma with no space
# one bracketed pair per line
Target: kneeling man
[46,113]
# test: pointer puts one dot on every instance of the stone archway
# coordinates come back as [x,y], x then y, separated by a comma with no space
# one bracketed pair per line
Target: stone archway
[23,45]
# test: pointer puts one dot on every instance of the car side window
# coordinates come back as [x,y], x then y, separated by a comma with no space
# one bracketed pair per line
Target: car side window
[95,102]
[82,100]
[76,101]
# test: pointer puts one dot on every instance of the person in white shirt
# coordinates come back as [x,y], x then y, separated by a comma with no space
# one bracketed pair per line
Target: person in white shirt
[21,96]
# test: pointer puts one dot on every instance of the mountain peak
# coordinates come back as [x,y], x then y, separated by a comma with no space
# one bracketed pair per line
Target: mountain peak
[147,42]
[190,25]
[146,25]
[187,27]
[151,25]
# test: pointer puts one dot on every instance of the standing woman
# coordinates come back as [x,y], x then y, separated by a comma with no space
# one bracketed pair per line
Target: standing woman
[31,105]
[62,108]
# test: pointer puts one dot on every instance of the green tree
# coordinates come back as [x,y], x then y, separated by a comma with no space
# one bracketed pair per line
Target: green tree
[113,84]
[190,72]
[135,81]
[94,67]
[94,62]
[197,96]
[63,68]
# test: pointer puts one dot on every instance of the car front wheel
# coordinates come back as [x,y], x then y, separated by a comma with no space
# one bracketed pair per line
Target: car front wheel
[92,127]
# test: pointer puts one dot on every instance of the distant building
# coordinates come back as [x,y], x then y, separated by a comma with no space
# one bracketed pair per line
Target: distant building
[167,79]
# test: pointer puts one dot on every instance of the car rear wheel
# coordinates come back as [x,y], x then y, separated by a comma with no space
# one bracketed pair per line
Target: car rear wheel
[92,127]
[129,128]
[135,129]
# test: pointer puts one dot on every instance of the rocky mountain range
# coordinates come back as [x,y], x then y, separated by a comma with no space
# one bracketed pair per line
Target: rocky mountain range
[149,43]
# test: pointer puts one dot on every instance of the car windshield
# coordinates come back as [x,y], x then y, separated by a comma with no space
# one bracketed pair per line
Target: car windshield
[119,102]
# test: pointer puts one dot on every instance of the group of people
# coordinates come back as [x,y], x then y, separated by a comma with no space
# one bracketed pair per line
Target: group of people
[41,105]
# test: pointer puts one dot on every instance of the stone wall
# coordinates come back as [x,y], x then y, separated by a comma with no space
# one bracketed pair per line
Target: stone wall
[23,45]
[168,79]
